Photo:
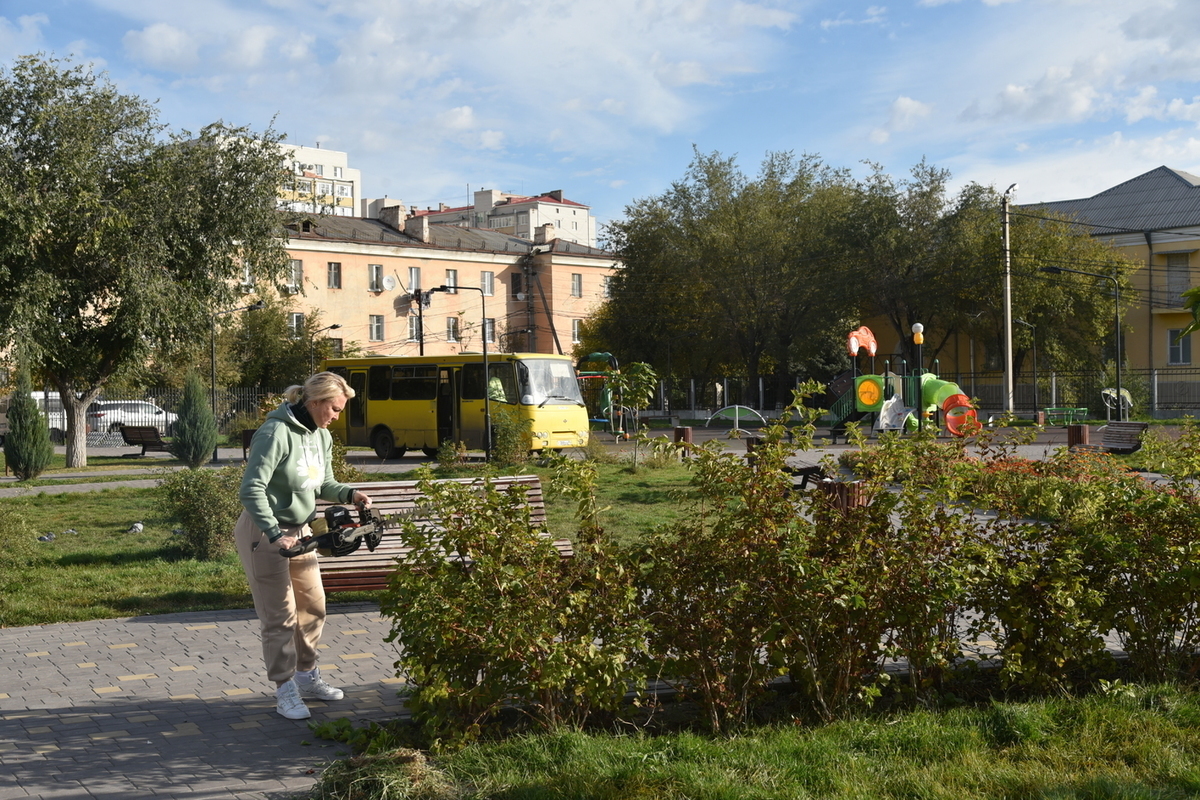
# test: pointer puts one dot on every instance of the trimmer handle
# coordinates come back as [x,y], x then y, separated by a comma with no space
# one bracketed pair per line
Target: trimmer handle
[305,545]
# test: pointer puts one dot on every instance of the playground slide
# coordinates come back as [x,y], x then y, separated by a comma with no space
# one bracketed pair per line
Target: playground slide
[954,404]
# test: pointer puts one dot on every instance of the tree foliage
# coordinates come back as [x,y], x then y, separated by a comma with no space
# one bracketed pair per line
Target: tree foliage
[118,239]
[27,448]
[196,429]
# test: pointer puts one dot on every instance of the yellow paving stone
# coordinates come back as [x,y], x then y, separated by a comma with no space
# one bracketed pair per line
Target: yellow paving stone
[37,654]
[253,717]
[183,669]
[393,680]
[38,730]
[106,689]
[241,726]
[45,748]
[200,627]
[330,668]
[86,664]
[186,729]
[322,647]
[74,644]
[145,676]
[184,697]
[237,692]
[4,746]
[120,646]
[353,656]
[107,734]
[352,633]
[142,718]
[3,695]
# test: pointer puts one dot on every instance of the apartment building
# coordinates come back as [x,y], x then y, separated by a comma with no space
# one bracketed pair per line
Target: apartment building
[321,182]
[519,215]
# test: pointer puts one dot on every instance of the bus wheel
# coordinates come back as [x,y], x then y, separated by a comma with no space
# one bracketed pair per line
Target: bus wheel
[430,452]
[385,445]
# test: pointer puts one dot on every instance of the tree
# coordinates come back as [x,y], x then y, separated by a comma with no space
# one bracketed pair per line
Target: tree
[27,448]
[263,348]
[196,429]
[117,238]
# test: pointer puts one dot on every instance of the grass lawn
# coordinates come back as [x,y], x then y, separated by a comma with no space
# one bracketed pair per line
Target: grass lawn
[103,571]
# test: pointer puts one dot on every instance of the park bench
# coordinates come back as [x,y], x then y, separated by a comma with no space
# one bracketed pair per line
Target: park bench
[1065,415]
[363,570]
[143,436]
[1117,437]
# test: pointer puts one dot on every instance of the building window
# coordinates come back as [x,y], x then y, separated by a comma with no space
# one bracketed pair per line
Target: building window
[489,330]
[375,327]
[576,284]
[295,276]
[452,281]
[374,277]
[335,275]
[1179,278]
[606,286]
[296,325]
[516,284]
[451,329]
[414,279]
[324,188]
[343,190]
[337,172]
[575,328]
[487,282]
[335,347]
[319,169]
[1178,352]
[414,328]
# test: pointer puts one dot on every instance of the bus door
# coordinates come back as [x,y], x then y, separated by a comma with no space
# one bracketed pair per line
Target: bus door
[446,401]
[471,406]
[356,411]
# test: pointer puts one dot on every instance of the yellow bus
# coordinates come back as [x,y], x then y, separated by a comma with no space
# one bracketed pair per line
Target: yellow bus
[416,402]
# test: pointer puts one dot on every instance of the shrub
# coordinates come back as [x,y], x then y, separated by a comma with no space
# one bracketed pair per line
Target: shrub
[196,429]
[343,470]
[511,437]
[205,502]
[27,447]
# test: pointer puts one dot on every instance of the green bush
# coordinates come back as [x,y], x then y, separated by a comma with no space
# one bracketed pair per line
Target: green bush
[27,447]
[511,437]
[195,435]
[205,502]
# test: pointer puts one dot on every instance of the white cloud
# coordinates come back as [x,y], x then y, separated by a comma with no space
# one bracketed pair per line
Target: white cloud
[249,47]
[25,36]
[761,16]
[874,16]
[164,47]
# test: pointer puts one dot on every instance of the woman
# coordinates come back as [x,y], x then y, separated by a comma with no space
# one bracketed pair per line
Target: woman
[289,467]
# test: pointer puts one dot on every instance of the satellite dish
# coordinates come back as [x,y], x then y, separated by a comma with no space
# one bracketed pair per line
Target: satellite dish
[389,283]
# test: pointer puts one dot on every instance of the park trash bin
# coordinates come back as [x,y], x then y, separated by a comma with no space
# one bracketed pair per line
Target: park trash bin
[1077,435]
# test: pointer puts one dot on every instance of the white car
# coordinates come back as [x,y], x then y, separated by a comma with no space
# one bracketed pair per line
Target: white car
[112,415]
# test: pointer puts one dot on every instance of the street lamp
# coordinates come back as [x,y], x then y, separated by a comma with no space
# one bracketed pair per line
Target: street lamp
[1117,326]
[1005,203]
[312,345]
[487,395]
[213,375]
[1031,326]
[918,332]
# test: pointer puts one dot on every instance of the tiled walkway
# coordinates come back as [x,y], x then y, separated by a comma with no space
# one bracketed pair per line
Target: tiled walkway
[174,706]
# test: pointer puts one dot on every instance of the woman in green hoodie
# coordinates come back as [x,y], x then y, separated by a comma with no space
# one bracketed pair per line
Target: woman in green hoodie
[289,467]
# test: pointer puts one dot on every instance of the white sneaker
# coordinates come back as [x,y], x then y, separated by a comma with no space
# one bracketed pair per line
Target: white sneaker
[288,703]
[314,687]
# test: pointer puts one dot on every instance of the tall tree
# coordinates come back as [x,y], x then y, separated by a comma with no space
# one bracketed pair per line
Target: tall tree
[118,238]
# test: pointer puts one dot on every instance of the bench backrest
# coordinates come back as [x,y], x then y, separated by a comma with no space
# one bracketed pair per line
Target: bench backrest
[1124,435]
[140,434]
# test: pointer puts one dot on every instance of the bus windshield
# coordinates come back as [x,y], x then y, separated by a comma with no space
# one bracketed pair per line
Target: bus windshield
[545,381]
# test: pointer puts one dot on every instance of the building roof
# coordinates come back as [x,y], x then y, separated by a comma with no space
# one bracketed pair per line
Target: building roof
[448,237]
[511,200]
[1160,199]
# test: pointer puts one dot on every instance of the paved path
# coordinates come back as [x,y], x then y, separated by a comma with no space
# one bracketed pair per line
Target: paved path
[175,706]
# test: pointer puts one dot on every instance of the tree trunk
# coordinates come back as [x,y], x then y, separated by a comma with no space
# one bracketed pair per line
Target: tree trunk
[75,410]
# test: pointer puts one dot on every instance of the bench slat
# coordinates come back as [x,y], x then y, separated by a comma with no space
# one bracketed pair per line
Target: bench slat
[143,436]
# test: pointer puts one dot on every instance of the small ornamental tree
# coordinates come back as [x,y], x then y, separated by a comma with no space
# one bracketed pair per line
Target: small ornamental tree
[196,428]
[27,447]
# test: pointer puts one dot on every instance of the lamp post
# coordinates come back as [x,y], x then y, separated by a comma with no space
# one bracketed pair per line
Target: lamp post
[918,332]
[1117,325]
[312,346]
[487,395]
[1005,203]
[213,374]
[670,374]
[1031,326]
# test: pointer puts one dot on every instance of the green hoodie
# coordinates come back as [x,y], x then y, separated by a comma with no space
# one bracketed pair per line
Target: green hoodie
[288,468]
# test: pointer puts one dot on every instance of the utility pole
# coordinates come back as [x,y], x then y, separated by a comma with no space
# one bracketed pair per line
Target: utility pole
[1005,202]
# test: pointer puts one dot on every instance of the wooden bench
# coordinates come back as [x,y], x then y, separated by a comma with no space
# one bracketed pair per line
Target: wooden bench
[1118,437]
[143,436]
[365,571]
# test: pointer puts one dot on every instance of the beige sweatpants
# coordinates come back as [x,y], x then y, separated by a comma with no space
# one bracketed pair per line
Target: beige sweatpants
[288,597]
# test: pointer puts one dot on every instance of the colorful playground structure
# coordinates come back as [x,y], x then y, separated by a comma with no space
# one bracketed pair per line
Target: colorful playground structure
[904,402]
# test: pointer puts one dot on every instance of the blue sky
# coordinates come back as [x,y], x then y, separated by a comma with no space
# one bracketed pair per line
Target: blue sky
[605,99]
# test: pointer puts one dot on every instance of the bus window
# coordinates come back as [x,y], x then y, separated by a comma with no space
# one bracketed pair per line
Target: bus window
[545,380]
[414,383]
[358,404]
[502,386]
[379,383]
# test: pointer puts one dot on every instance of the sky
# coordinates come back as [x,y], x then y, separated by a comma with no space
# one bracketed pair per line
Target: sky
[608,99]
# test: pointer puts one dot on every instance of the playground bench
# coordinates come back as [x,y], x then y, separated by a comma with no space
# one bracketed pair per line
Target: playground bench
[365,571]
[1064,416]
[1118,437]
[143,436]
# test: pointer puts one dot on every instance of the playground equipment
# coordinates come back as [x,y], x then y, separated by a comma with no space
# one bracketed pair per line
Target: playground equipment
[735,413]
[895,400]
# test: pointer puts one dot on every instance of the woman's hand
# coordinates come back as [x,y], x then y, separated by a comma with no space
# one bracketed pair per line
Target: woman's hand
[287,542]
[360,499]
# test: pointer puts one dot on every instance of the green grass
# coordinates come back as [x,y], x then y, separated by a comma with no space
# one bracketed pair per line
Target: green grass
[1138,743]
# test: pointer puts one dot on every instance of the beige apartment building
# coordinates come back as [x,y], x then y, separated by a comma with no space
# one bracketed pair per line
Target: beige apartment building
[519,215]
[374,277]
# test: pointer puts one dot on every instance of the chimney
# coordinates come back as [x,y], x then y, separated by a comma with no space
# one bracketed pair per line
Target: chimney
[418,228]
[556,194]
[541,234]
[392,216]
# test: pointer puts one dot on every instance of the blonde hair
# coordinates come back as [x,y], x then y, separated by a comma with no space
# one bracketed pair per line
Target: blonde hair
[321,386]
